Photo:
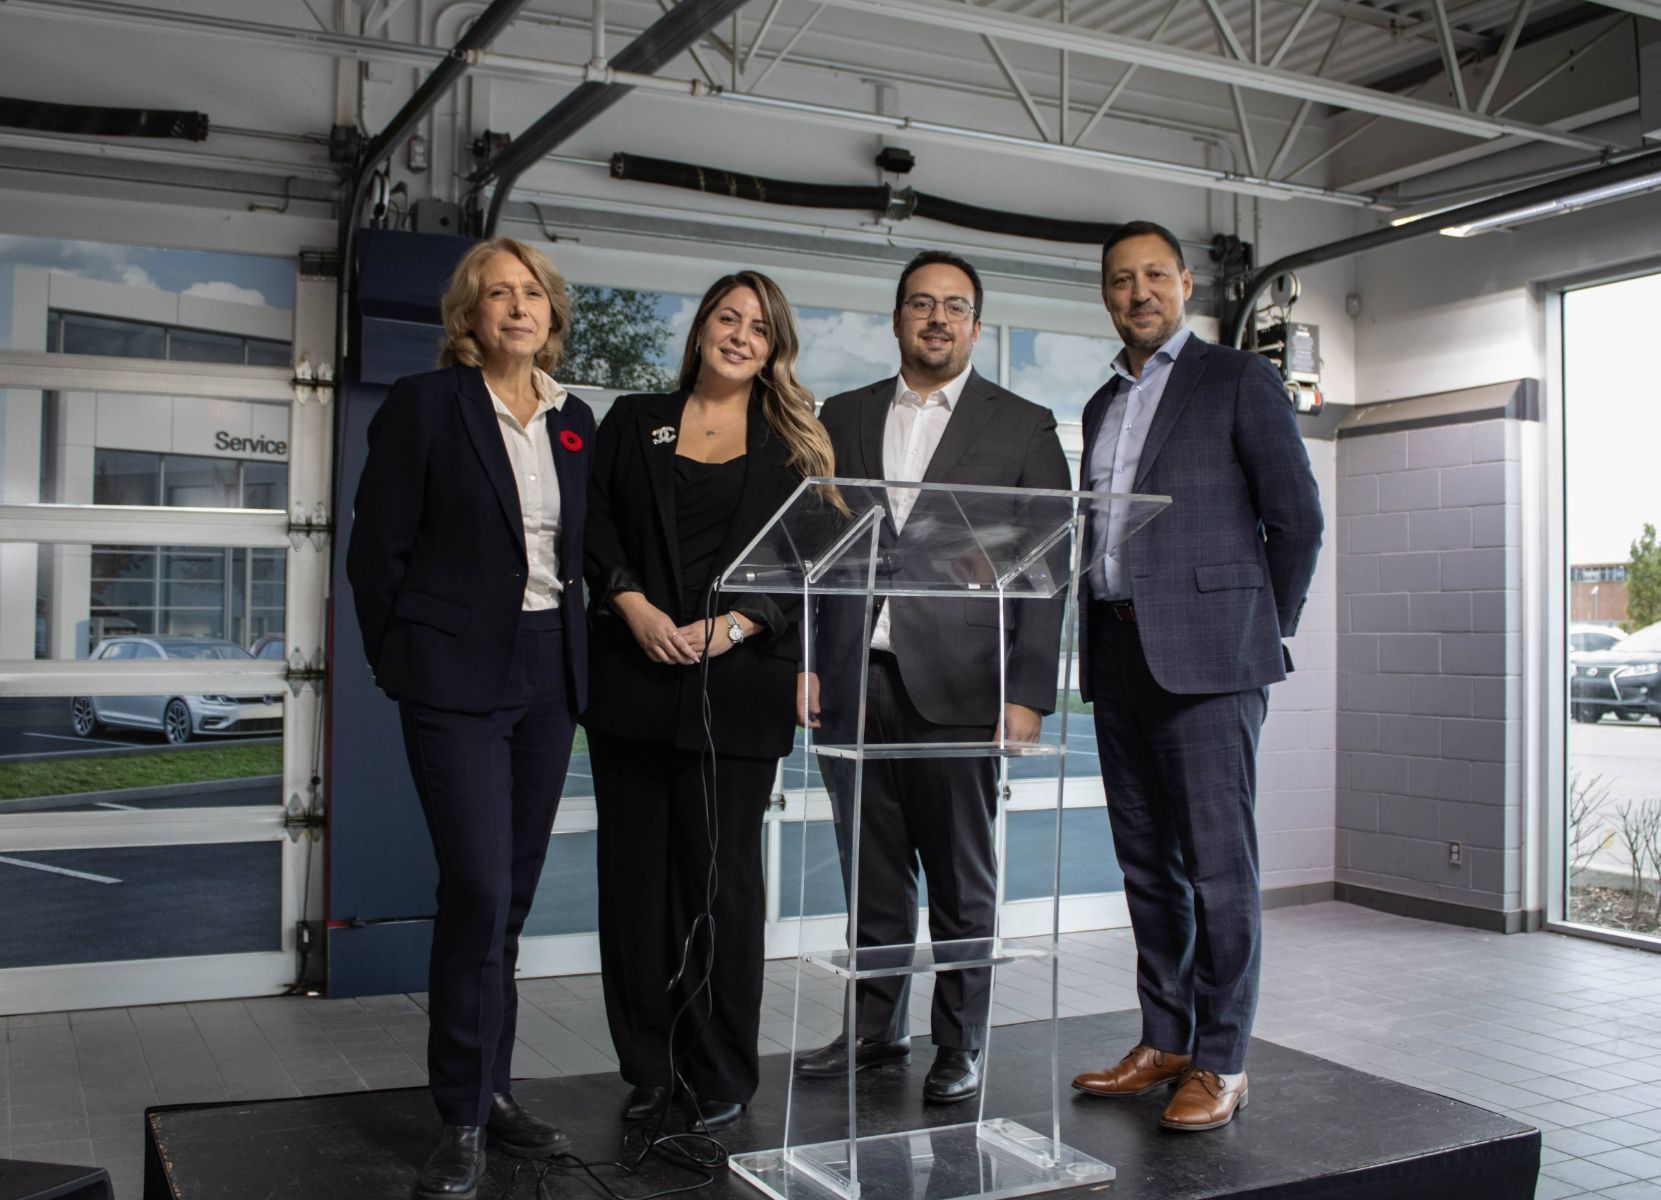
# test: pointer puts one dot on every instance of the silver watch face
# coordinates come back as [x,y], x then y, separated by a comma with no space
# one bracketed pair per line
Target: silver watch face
[735,631]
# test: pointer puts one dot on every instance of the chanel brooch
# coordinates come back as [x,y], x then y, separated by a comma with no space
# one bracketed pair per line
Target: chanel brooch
[663,435]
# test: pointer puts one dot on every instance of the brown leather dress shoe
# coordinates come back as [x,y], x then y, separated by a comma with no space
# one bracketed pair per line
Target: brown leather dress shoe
[1137,1073]
[1203,1102]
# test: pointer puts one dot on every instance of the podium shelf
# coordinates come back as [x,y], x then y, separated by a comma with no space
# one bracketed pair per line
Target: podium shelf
[929,958]
[939,750]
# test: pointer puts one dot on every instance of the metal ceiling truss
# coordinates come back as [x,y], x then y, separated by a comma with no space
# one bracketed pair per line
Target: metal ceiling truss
[940,14]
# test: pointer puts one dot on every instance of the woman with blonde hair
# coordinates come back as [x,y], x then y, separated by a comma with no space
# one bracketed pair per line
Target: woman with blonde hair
[691,701]
[466,543]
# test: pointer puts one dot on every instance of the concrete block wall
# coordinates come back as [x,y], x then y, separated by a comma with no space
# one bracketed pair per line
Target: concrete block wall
[1296,752]
[1429,578]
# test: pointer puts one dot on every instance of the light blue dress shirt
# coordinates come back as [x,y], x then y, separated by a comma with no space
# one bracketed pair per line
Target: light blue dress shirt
[1117,453]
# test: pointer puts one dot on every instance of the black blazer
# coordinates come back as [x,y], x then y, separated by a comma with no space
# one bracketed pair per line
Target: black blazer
[437,556]
[1220,576]
[947,648]
[632,545]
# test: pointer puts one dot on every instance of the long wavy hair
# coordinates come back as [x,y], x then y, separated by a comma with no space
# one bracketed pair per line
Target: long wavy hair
[786,404]
[461,295]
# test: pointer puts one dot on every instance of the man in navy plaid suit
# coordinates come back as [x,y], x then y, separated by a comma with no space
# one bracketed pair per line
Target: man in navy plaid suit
[1182,636]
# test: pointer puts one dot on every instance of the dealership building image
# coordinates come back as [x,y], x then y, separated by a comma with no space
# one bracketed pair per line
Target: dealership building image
[99,446]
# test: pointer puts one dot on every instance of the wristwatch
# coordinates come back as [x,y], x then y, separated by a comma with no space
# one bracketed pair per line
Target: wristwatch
[735,631]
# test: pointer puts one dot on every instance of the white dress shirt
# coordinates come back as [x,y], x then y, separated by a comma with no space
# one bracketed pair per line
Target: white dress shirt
[531,454]
[910,436]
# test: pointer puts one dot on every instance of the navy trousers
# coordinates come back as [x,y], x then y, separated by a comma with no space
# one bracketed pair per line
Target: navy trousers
[1180,774]
[489,785]
[931,813]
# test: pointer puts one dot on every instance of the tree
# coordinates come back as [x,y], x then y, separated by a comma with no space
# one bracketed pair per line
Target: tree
[1643,582]
[616,340]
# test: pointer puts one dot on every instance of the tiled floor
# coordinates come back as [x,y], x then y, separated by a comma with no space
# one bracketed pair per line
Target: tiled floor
[1560,1032]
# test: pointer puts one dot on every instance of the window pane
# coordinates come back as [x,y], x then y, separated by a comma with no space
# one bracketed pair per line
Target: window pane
[1059,370]
[264,485]
[125,477]
[1612,749]
[199,482]
[196,345]
[121,562]
[269,354]
[84,334]
[87,906]
[85,595]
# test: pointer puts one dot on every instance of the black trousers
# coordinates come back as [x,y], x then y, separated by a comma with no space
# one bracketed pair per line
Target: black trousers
[658,834]
[933,813]
[1180,774]
[489,785]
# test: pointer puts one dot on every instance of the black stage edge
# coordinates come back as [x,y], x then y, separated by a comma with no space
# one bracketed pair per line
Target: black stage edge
[1312,1129]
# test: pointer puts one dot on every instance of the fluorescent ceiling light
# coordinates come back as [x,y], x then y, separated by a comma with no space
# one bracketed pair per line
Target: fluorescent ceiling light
[1550,208]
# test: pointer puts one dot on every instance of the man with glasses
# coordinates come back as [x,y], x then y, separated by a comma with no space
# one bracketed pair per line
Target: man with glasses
[933,674]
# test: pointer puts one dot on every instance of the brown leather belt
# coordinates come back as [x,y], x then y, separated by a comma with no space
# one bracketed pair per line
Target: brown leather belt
[1116,610]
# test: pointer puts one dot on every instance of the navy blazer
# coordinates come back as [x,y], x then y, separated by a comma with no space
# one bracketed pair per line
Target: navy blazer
[947,647]
[437,556]
[1220,576]
[632,546]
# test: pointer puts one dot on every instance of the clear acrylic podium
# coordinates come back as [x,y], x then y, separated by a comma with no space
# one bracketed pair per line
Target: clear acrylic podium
[965,555]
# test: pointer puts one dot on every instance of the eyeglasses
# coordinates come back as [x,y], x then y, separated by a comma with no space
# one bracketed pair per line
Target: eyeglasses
[922,307]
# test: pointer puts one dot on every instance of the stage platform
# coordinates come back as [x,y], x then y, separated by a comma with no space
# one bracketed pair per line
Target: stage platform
[1313,1129]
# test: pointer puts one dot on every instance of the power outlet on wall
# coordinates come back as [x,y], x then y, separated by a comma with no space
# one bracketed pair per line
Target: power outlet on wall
[1453,854]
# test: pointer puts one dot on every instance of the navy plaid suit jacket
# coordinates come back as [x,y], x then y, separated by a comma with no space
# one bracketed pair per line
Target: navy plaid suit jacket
[1220,576]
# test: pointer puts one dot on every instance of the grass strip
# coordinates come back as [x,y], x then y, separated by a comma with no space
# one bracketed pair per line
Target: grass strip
[157,768]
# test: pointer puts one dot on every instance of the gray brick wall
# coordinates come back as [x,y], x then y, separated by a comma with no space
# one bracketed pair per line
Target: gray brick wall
[1428,578]
[1295,763]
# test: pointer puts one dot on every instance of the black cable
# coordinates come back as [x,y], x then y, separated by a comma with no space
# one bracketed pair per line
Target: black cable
[676,1149]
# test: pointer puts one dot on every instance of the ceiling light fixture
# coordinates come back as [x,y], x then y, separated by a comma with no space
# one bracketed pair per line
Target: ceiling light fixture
[1552,208]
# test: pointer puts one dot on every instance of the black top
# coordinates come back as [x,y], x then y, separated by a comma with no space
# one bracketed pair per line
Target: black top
[641,537]
[705,496]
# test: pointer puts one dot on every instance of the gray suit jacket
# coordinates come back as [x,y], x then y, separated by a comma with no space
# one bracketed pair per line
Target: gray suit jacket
[947,649]
[1220,576]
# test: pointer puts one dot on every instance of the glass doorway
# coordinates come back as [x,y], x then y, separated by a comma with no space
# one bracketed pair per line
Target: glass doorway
[1612,676]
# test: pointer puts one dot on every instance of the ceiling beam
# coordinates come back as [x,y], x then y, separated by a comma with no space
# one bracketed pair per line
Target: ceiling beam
[1638,8]
[939,14]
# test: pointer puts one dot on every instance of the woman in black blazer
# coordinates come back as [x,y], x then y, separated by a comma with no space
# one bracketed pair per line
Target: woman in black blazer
[467,540]
[682,482]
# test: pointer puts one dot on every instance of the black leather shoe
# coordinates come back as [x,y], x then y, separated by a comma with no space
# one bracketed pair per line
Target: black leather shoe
[517,1132]
[955,1076]
[645,1101]
[832,1060]
[711,1115]
[455,1168]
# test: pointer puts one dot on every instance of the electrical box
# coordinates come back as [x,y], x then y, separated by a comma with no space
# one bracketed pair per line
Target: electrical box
[1295,350]
[436,216]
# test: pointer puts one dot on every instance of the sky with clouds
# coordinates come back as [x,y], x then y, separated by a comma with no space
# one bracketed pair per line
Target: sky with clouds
[843,349]
[1613,419]
[241,278]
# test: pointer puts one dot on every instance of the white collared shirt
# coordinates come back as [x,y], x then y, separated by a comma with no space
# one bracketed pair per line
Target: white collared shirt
[910,436]
[531,455]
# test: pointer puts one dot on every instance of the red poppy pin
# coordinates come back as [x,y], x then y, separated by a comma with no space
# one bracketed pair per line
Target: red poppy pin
[570,440]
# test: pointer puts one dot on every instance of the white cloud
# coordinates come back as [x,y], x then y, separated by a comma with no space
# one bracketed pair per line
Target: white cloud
[219,290]
[1064,371]
[136,276]
[843,350]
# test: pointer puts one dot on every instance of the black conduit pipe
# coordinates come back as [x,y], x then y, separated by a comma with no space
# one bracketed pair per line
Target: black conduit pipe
[98,121]
[654,48]
[1624,171]
[879,199]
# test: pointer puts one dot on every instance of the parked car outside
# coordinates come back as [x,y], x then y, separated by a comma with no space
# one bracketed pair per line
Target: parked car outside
[269,647]
[177,718]
[1584,635]
[1624,679]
